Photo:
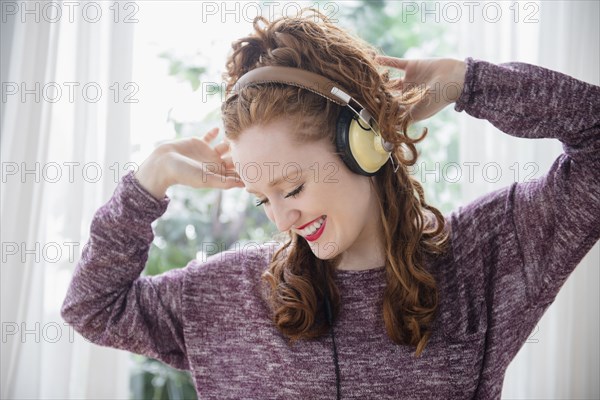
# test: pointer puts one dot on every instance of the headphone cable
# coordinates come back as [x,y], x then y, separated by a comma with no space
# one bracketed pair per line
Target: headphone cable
[335,355]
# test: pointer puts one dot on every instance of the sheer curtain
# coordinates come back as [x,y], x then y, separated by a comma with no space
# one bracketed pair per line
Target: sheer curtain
[61,160]
[560,359]
[65,135]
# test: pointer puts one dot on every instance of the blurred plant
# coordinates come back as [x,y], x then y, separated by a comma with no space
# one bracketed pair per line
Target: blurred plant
[405,35]
[153,380]
[183,69]
[197,217]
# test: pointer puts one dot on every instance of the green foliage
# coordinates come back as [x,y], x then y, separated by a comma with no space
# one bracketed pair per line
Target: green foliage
[184,70]
[153,380]
[395,35]
[202,222]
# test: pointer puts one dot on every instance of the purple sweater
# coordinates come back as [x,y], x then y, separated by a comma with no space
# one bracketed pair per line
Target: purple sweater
[511,252]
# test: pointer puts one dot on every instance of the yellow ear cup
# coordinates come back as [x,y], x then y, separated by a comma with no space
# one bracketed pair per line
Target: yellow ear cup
[366,148]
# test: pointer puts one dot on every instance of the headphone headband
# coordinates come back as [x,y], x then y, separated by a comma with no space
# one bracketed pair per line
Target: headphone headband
[310,81]
[295,77]
[369,154]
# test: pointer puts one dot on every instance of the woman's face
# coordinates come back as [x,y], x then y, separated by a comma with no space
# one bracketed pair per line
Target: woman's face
[301,183]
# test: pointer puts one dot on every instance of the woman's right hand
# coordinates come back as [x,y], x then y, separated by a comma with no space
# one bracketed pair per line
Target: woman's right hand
[191,162]
[445,77]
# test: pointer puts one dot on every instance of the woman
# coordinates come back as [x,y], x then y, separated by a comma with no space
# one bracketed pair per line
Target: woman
[375,294]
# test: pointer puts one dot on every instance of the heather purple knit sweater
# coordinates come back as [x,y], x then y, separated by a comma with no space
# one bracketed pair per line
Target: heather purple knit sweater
[511,252]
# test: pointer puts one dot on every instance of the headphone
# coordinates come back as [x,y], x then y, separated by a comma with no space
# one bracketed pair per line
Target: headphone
[358,139]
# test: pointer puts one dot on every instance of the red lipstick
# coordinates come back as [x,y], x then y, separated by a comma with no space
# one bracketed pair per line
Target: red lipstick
[317,234]
[308,223]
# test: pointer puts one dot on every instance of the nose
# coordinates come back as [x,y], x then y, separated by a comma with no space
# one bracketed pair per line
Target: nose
[282,216]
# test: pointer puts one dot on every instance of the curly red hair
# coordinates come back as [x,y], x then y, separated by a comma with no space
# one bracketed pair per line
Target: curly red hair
[298,280]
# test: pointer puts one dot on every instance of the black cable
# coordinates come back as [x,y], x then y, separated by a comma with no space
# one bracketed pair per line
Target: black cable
[335,355]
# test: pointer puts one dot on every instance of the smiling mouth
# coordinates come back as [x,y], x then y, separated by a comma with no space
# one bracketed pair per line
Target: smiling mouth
[308,223]
[313,230]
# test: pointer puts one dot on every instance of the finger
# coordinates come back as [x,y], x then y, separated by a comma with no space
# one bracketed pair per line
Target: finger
[210,135]
[222,148]
[222,181]
[216,181]
[228,162]
[232,182]
[225,166]
[397,83]
[231,171]
[394,62]
[208,176]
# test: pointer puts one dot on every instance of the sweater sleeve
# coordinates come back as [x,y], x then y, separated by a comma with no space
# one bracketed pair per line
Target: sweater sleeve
[515,247]
[108,302]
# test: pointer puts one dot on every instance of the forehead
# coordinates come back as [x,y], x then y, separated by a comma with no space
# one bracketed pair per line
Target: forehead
[264,154]
[274,143]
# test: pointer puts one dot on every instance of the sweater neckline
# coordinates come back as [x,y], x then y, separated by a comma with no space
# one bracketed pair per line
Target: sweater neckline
[360,272]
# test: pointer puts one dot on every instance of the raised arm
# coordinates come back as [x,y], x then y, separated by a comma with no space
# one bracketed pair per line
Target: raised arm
[108,302]
[556,218]
[515,247]
[529,101]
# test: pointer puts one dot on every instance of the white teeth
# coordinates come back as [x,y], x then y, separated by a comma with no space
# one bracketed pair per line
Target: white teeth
[311,229]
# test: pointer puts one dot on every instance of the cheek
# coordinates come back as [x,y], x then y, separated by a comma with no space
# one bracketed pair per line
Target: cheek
[269,214]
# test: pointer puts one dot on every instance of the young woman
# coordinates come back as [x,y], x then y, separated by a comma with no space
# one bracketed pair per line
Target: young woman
[374,294]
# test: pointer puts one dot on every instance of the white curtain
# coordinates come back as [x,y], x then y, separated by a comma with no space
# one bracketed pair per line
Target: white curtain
[52,151]
[65,139]
[561,357]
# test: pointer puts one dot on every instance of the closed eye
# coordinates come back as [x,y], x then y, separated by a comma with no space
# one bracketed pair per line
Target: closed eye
[293,193]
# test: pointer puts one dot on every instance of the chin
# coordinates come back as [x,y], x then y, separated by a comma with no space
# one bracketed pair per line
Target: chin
[324,251]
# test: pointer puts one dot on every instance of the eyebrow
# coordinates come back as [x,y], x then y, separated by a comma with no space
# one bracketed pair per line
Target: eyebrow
[274,182]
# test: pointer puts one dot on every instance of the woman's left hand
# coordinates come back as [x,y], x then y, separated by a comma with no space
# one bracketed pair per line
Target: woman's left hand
[443,76]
